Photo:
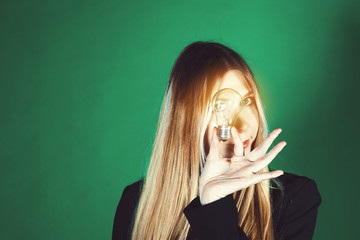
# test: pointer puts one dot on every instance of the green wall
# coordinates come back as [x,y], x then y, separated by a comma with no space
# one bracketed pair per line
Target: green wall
[82,82]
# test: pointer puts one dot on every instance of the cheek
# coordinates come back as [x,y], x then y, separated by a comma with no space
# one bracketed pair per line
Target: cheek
[255,116]
[252,119]
[254,123]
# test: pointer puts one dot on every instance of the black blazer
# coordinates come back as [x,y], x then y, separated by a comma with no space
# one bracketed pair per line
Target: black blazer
[294,213]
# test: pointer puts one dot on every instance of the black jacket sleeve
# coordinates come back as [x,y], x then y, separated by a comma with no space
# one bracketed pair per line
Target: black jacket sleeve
[216,220]
[296,215]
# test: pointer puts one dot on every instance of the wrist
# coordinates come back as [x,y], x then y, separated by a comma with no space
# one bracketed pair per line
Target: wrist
[206,198]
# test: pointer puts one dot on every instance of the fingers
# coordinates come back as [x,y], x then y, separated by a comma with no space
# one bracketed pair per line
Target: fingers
[256,178]
[238,144]
[266,160]
[264,146]
[273,152]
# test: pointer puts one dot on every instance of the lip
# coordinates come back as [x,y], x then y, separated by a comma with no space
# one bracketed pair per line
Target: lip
[245,143]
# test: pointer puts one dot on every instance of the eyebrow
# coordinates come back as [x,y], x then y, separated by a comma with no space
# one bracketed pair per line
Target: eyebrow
[249,94]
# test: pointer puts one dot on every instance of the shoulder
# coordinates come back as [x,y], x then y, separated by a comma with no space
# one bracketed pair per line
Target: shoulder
[125,211]
[135,186]
[129,198]
[295,195]
[292,184]
[132,192]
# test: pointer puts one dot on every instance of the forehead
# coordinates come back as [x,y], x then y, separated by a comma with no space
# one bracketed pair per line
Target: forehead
[236,80]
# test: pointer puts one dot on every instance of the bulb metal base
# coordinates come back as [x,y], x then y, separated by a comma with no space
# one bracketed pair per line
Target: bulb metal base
[224,133]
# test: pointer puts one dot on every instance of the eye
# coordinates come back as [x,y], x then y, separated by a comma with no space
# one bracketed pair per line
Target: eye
[246,101]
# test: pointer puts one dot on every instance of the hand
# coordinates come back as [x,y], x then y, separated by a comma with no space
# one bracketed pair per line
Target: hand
[223,176]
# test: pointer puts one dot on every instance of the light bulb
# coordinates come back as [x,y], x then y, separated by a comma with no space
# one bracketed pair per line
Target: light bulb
[226,106]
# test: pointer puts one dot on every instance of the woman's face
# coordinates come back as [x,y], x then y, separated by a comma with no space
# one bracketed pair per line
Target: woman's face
[247,121]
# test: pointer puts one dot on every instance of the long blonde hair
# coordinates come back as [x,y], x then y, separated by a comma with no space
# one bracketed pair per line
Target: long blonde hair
[179,154]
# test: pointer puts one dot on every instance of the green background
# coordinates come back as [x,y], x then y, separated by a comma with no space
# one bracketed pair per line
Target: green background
[81,87]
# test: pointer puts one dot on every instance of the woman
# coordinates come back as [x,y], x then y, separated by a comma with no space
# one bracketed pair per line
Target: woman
[199,187]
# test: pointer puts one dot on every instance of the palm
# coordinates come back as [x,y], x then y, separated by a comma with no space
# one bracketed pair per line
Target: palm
[222,176]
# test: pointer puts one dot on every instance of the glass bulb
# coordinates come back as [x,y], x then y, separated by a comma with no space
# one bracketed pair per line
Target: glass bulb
[226,106]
